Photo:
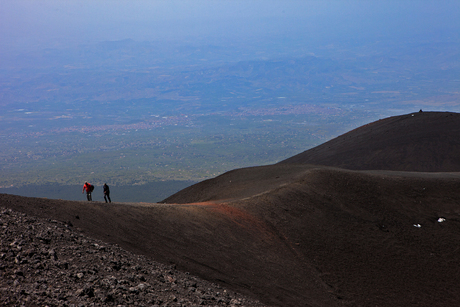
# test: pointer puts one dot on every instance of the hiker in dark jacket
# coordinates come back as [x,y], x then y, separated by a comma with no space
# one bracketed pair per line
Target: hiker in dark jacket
[89,188]
[107,193]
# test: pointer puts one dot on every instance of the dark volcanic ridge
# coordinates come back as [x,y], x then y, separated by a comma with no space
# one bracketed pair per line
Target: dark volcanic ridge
[297,234]
[417,142]
[420,142]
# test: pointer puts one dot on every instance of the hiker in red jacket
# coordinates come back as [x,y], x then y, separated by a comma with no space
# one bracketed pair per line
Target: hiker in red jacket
[89,188]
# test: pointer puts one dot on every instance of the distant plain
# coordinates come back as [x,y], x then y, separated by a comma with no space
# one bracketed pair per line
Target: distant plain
[153,101]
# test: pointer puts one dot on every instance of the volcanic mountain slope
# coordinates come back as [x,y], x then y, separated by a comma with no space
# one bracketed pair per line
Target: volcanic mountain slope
[417,142]
[298,234]
[422,142]
[45,262]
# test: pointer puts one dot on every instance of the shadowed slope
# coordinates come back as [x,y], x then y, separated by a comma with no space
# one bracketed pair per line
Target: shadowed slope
[359,232]
[239,183]
[424,142]
[330,237]
[218,242]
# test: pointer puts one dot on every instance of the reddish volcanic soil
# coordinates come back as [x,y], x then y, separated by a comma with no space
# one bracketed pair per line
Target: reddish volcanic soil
[348,237]
[304,235]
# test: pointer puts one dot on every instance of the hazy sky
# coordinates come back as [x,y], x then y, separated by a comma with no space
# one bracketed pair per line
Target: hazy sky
[25,23]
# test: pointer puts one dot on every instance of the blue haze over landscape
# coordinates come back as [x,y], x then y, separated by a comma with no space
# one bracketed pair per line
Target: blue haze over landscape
[156,95]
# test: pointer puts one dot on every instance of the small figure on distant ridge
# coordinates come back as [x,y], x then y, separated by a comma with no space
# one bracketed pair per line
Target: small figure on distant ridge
[89,188]
[106,193]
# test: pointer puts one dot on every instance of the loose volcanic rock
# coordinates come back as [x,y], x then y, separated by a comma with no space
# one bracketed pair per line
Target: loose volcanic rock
[48,263]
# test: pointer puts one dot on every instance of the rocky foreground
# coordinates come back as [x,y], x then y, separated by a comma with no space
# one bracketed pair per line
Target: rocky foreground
[49,263]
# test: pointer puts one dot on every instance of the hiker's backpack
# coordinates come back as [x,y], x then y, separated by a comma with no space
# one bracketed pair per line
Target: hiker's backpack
[91,188]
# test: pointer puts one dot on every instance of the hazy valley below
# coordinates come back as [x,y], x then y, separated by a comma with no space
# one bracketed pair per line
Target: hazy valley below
[163,104]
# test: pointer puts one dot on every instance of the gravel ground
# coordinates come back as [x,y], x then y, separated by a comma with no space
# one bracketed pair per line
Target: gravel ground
[50,263]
